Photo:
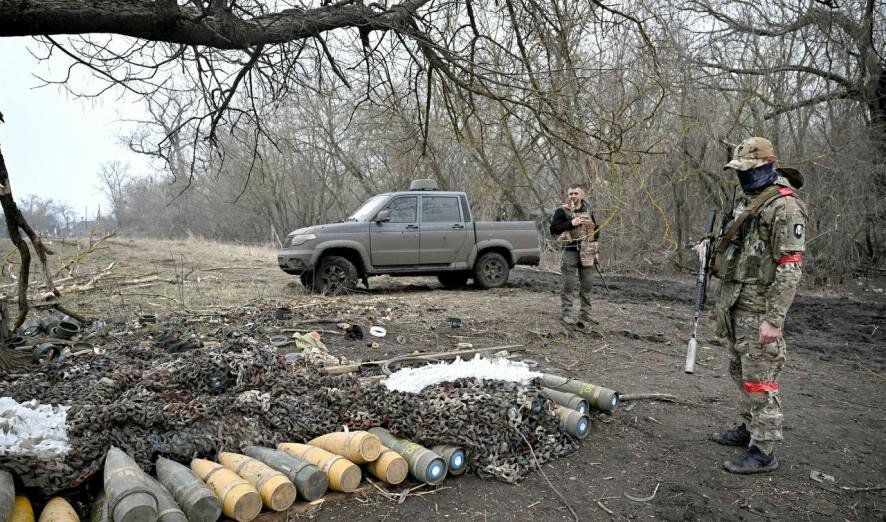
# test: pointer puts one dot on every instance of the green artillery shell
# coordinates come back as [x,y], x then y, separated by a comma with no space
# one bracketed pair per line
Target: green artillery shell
[425,465]
[598,397]
[197,501]
[573,422]
[456,460]
[7,494]
[100,511]
[569,400]
[310,481]
[129,498]
[166,504]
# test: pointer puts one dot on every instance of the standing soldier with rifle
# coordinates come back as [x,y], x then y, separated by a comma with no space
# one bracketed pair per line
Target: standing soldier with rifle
[759,261]
[577,232]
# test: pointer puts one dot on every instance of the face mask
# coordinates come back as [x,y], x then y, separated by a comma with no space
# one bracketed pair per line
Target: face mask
[755,179]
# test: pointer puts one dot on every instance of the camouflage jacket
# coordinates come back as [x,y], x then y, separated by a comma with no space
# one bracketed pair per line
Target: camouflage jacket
[766,261]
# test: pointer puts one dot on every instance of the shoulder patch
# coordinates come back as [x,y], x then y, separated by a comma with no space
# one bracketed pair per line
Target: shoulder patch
[798,230]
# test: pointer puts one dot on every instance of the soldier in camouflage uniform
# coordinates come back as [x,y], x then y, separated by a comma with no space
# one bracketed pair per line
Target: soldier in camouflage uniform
[576,230]
[759,261]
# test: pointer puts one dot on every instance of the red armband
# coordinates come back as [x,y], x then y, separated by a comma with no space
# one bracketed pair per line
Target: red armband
[791,258]
[760,386]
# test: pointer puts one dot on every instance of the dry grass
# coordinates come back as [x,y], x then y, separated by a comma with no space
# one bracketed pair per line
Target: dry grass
[153,275]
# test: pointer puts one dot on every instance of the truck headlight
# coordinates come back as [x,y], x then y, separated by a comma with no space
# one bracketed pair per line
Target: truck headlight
[301,238]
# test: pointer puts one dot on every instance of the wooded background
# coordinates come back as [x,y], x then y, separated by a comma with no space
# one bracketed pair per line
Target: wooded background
[510,101]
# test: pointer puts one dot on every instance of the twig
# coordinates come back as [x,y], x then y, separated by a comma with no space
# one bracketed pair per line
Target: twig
[854,489]
[554,489]
[651,396]
[644,499]
[604,508]
[318,330]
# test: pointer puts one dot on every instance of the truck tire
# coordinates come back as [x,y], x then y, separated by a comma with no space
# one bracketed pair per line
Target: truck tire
[453,279]
[335,275]
[491,270]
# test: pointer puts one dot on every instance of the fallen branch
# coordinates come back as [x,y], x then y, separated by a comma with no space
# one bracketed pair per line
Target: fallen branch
[650,396]
[644,499]
[854,489]
[347,368]
[551,484]
[604,508]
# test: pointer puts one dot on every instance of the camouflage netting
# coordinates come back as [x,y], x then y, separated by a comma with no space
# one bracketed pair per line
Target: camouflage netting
[194,404]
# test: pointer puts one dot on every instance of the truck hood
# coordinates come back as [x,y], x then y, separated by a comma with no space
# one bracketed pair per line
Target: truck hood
[333,228]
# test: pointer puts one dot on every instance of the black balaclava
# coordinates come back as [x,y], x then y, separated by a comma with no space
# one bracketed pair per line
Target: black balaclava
[755,179]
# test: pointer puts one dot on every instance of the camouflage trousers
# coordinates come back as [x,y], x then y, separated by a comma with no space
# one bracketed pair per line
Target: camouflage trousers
[576,275]
[755,369]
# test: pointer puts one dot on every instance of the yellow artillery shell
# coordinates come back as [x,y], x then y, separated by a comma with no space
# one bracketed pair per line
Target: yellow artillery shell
[239,499]
[359,447]
[22,510]
[277,492]
[389,466]
[343,474]
[58,510]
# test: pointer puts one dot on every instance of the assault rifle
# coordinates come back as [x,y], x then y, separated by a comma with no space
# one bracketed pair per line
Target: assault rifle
[704,261]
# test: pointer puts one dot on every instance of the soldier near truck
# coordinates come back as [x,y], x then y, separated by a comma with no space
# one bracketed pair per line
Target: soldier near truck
[759,262]
[577,232]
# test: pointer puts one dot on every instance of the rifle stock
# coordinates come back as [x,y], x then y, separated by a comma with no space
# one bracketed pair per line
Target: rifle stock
[700,286]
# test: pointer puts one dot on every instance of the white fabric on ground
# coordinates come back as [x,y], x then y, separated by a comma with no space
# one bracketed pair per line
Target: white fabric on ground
[414,380]
[32,429]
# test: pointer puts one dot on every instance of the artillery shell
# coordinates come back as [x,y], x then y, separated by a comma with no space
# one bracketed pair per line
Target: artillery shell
[7,494]
[455,458]
[197,501]
[22,510]
[568,400]
[425,465]
[310,481]
[343,474]
[58,510]
[129,498]
[168,510]
[239,499]
[389,466]
[359,447]
[100,511]
[276,491]
[598,397]
[573,422]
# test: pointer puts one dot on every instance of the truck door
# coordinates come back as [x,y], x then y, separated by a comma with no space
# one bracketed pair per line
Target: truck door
[396,242]
[443,229]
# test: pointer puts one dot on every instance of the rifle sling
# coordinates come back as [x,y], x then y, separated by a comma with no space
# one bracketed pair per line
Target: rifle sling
[768,195]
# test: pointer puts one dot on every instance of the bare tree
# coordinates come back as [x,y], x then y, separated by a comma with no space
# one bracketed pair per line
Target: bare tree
[113,177]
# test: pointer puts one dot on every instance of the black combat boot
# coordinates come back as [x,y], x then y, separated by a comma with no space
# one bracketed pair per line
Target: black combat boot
[737,436]
[751,461]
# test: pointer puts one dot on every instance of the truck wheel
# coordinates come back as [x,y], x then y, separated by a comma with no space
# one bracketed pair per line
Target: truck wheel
[453,279]
[307,280]
[491,270]
[335,275]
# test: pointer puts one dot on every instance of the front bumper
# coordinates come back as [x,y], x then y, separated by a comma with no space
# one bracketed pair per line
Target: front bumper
[295,262]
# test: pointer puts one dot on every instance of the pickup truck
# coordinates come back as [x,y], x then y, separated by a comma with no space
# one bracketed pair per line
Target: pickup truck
[421,231]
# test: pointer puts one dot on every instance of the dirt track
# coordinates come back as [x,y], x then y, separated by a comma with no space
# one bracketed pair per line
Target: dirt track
[833,389]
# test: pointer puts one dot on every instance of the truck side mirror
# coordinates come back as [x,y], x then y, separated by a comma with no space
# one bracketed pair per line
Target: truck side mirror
[383,216]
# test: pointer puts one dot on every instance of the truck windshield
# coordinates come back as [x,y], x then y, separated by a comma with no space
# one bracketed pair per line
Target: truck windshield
[369,209]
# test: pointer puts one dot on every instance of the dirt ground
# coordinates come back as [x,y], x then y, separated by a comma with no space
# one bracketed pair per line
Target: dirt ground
[834,387]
